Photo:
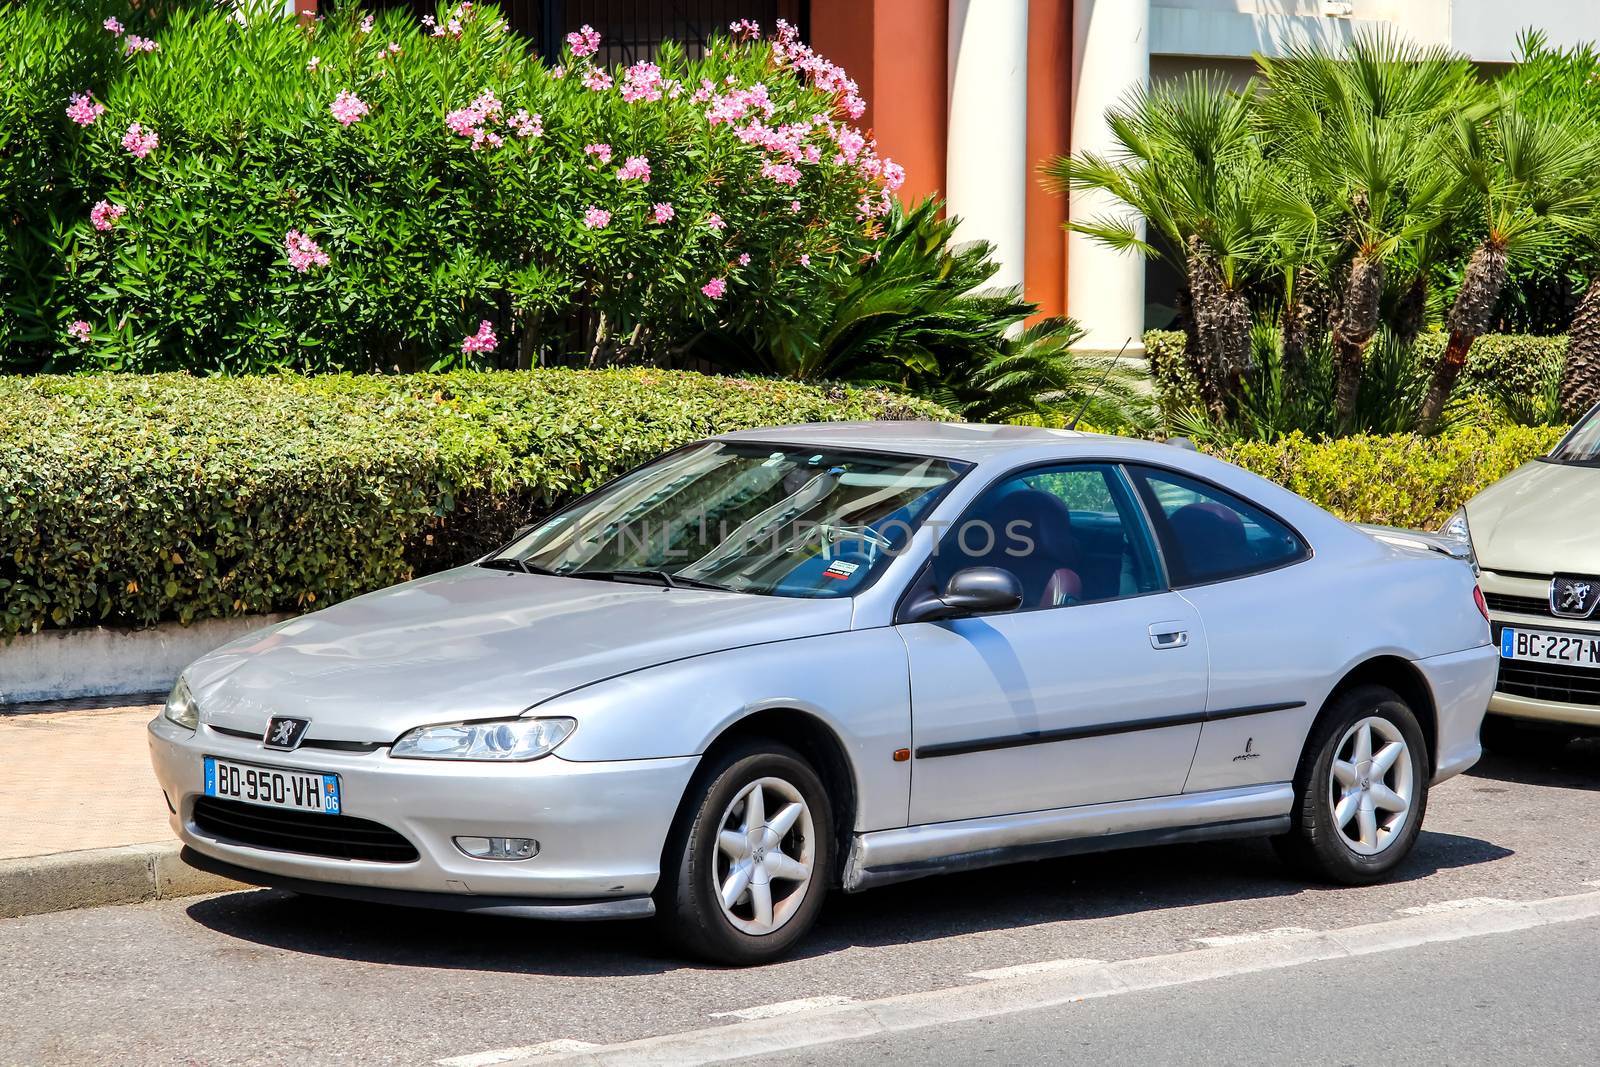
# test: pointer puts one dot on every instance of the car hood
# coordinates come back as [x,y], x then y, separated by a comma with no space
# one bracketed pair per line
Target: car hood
[474,643]
[1540,518]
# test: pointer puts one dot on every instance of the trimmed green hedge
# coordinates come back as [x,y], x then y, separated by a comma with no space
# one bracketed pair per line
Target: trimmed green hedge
[140,499]
[1518,363]
[1404,480]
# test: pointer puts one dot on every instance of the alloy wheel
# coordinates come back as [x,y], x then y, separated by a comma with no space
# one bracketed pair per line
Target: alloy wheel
[1371,785]
[765,854]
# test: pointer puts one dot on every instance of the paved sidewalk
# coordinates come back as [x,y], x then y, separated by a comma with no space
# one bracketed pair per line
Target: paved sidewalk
[82,821]
[72,780]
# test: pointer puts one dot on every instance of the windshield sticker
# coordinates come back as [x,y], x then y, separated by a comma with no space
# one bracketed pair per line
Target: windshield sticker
[840,569]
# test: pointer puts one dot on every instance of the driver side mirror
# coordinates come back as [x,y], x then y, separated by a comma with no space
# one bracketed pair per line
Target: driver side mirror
[971,591]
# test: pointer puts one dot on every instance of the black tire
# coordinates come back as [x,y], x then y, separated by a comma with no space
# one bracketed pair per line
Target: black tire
[1314,845]
[1513,737]
[688,900]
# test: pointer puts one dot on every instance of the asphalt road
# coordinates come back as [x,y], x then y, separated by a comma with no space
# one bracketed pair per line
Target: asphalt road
[265,977]
[1518,998]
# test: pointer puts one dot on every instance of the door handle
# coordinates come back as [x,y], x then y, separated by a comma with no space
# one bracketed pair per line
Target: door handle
[1168,635]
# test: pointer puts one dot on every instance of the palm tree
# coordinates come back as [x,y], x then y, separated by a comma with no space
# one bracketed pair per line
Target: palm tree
[1353,133]
[1531,179]
[1188,166]
[1580,381]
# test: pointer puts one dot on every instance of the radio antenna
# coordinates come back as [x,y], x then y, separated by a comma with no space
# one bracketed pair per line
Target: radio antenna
[1112,362]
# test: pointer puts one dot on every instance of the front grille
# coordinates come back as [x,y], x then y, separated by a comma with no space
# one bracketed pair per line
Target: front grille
[1517,605]
[1550,681]
[338,836]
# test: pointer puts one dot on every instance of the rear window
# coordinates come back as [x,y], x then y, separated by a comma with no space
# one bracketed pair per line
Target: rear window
[1208,534]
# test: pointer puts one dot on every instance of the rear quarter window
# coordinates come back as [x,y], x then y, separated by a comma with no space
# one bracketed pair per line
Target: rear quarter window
[1208,534]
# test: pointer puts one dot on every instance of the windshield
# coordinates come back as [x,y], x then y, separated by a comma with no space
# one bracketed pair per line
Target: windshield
[753,518]
[1582,445]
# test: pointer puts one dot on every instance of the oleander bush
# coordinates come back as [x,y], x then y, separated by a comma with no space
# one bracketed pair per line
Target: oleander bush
[1399,480]
[220,188]
[137,499]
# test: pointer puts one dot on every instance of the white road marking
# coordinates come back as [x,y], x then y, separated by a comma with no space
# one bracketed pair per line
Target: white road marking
[1465,904]
[521,1052]
[941,1007]
[784,1007]
[1274,934]
[1071,963]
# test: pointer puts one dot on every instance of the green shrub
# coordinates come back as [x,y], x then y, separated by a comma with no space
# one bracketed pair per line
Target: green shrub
[139,499]
[357,195]
[1510,368]
[1403,480]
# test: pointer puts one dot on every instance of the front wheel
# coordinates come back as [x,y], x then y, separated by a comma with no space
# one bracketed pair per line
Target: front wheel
[746,869]
[1361,790]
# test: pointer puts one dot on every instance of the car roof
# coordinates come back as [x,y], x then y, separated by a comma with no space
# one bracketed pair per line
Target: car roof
[973,442]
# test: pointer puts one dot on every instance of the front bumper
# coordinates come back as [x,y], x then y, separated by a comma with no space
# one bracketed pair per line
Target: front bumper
[1526,704]
[600,826]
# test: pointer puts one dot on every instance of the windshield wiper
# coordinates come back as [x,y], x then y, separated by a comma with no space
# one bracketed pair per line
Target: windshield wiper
[652,576]
[512,563]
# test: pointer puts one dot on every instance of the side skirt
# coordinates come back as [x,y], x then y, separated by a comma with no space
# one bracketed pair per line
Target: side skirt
[883,857]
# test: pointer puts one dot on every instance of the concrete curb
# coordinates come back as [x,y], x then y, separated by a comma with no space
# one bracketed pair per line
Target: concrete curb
[100,661]
[127,874]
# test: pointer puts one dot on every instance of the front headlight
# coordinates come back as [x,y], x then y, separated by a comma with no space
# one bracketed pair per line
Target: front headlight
[506,739]
[181,708]
[1456,526]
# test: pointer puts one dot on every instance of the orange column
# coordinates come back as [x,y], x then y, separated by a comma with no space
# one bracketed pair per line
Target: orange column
[1049,131]
[896,51]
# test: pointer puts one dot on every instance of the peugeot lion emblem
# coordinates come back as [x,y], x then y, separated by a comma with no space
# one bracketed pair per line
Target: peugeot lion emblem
[284,732]
[1572,596]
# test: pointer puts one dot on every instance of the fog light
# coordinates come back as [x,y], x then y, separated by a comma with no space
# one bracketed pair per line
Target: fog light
[498,848]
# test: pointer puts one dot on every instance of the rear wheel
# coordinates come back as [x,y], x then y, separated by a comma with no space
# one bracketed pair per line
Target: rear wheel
[746,869]
[1361,789]
[1514,737]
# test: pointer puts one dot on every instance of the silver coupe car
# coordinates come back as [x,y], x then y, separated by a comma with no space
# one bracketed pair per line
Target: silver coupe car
[1536,536]
[788,660]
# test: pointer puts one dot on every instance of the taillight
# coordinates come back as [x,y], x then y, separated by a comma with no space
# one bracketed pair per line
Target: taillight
[1483,605]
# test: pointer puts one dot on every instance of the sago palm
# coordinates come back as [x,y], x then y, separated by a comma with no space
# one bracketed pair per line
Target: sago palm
[1531,181]
[1187,165]
[1354,133]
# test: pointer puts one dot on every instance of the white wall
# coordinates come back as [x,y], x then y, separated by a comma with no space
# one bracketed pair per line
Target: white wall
[1487,29]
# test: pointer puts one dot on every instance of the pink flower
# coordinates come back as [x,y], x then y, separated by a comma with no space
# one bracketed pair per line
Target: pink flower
[715,288]
[642,81]
[348,108]
[526,125]
[601,152]
[113,25]
[394,49]
[79,331]
[715,221]
[596,218]
[585,42]
[140,141]
[558,72]
[366,24]
[311,67]
[304,253]
[794,207]
[482,341]
[135,43]
[83,110]
[663,212]
[105,214]
[745,29]
[597,81]
[744,259]
[635,167]
[782,173]
[805,260]
[894,175]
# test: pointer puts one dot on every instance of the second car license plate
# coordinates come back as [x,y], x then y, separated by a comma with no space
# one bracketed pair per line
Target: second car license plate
[1580,650]
[272,787]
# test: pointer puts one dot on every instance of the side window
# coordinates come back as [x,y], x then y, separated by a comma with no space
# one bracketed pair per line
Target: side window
[1209,534]
[1071,534]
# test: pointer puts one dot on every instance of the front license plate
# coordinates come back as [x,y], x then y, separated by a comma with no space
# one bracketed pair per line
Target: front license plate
[271,787]
[1580,650]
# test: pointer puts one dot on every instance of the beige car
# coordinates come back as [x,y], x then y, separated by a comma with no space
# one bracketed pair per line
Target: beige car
[1536,537]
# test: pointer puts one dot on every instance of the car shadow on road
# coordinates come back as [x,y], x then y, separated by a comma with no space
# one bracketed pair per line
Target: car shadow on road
[1021,895]
[1574,766]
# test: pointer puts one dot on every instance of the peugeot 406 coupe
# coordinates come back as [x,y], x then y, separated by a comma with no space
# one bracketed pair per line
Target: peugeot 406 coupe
[784,661]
